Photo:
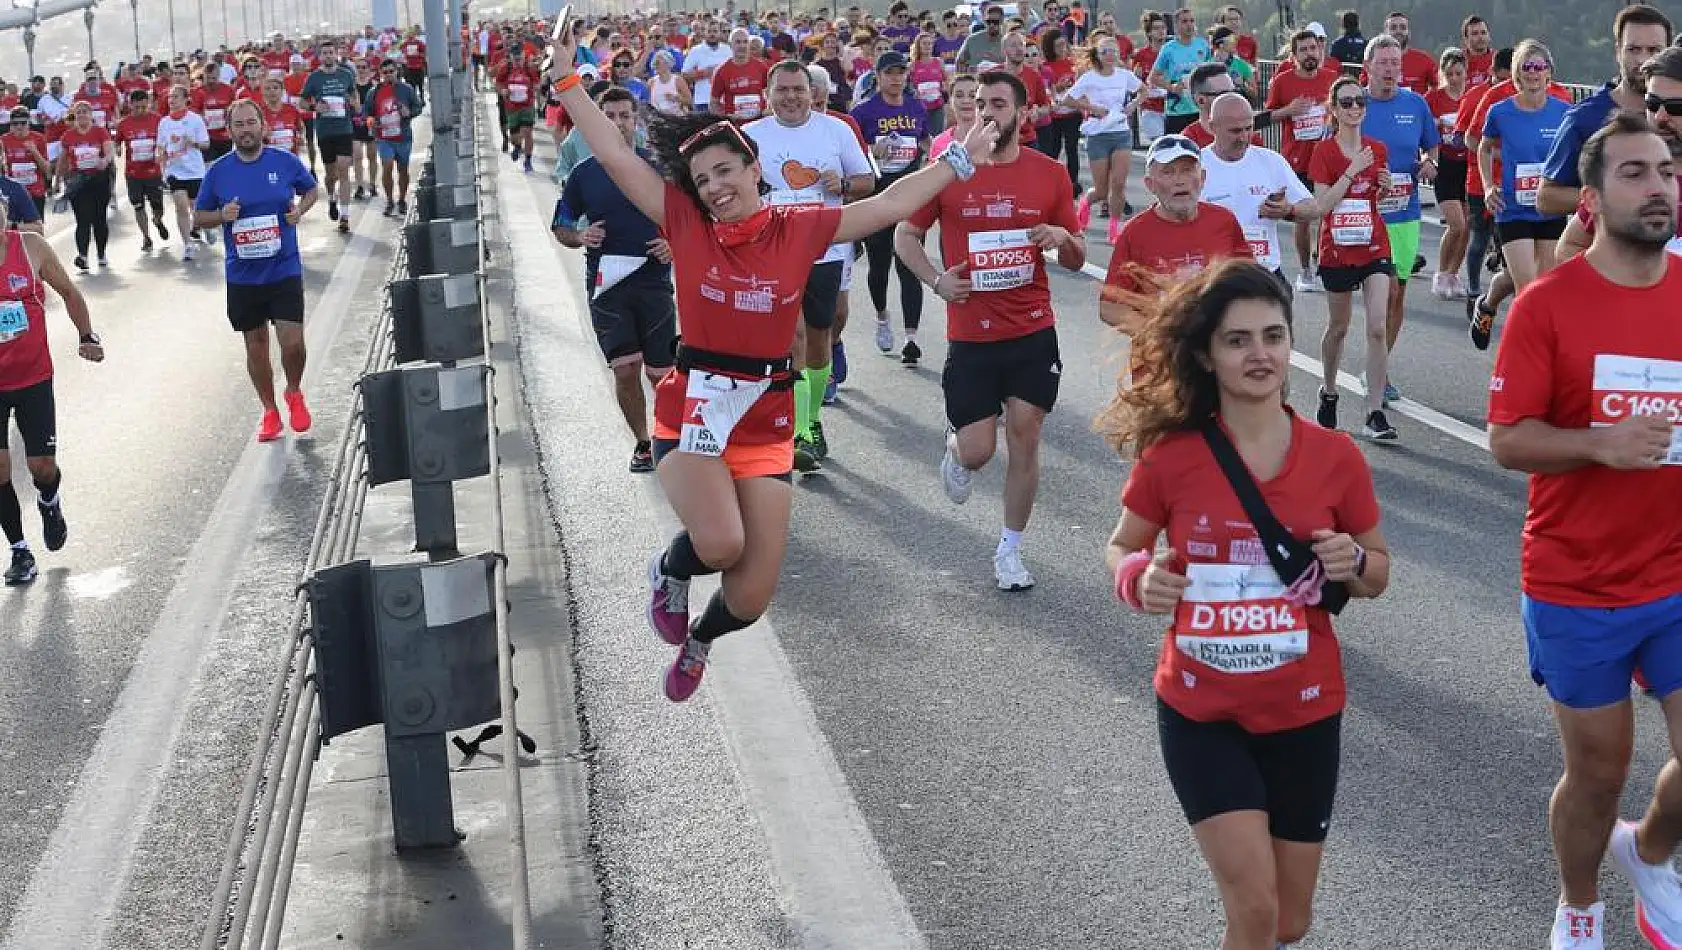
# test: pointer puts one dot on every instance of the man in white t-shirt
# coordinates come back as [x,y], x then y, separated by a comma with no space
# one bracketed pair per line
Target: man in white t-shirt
[809,158]
[1256,184]
[182,139]
[700,62]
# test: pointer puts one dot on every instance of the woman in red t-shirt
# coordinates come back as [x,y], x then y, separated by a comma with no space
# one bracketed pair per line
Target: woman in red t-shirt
[723,417]
[1249,683]
[1062,132]
[1450,185]
[84,165]
[1349,174]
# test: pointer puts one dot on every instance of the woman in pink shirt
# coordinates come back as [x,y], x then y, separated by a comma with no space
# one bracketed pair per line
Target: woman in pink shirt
[927,80]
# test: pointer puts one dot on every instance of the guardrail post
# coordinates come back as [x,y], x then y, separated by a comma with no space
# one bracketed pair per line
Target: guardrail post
[427,424]
[437,318]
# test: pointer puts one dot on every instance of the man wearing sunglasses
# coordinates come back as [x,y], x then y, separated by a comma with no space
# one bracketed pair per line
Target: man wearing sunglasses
[394,104]
[986,45]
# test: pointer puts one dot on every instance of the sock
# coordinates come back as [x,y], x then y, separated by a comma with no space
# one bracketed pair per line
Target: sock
[681,561]
[49,491]
[838,362]
[11,516]
[911,335]
[1009,540]
[817,380]
[716,621]
[803,405]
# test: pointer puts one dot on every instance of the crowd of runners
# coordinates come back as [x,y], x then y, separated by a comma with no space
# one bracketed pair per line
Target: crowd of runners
[728,174]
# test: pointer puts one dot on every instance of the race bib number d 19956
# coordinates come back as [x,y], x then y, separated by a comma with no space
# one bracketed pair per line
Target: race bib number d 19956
[1001,260]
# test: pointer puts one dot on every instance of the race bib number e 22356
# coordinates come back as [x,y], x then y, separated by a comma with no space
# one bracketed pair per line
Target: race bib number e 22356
[1234,618]
[1352,223]
[1001,260]
[1627,386]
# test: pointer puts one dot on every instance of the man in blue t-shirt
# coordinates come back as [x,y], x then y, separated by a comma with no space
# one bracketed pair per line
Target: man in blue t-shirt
[1174,63]
[250,194]
[627,268]
[21,209]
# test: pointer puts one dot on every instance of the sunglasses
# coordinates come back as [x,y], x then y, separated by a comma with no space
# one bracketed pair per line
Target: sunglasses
[1671,107]
[992,22]
[1352,102]
[723,126]
[20,122]
[1536,66]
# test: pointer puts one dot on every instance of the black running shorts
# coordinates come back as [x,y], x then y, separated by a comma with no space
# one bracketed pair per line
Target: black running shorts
[823,292]
[253,306]
[637,316]
[979,377]
[37,418]
[144,190]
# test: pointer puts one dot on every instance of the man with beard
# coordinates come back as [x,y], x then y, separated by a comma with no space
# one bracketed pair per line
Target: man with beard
[1480,56]
[1419,68]
[986,45]
[1306,80]
[1639,32]
[700,62]
[330,93]
[1585,407]
[1002,356]
[250,195]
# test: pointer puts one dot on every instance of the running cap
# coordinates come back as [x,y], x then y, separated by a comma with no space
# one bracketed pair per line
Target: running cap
[1168,148]
[892,59]
[1317,29]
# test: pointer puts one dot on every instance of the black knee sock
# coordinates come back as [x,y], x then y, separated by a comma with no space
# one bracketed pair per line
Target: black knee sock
[11,516]
[682,562]
[49,490]
[716,621]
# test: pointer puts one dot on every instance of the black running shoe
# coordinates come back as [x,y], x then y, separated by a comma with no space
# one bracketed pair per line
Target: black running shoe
[910,353]
[1418,263]
[81,263]
[642,458]
[820,445]
[22,570]
[390,206]
[1326,414]
[163,231]
[1483,324]
[333,210]
[403,207]
[146,246]
[53,528]
[358,194]
[1378,428]
[805,455]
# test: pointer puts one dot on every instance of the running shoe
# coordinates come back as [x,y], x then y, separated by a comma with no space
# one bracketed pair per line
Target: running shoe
[298,414]
[163,232]
[390,206]
[910,353]
[187,253]
[514,154]
[53,529]
[668,602]
[357,195]
[104,261]
[1418,263]
[270,428]
[1440,288]
[684,677]
[885,337]
[1011,573]
[953,476]
[642,458]
[146,246]
[830,390]
[403,207]
[1083,210]
[527,164]
[838,363]
[806,457]
[1483,322]
[1127,208]
[1326,414]
[1114,229]
[820,445]
[81,263]
[1104,209]
[332,210]
[1657,888]
[1378,428]
[344,224]
[22,570]
[1580,929]
[1392,395]
[1307,283]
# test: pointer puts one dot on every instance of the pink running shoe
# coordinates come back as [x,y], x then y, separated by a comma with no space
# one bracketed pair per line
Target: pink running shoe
[668,603]
[1115,229]
[1083,209]
[684,677]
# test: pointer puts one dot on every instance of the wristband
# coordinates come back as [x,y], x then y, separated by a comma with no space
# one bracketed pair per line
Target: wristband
[958,157]
[1127,578]
[569,81]
[91,339]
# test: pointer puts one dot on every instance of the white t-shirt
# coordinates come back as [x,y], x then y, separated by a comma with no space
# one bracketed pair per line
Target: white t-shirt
[1242,187]
[364,44]
[708,58]
[824,143]
[180,141]
[1111,92]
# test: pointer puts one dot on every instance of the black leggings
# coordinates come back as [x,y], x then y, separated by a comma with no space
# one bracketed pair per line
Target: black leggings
[879,249]
[89,203]
[1063,135]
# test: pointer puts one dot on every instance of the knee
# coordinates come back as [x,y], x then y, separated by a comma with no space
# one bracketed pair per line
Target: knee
[625,375]
[1376,334]
[1022,437]
[43,468]
[1253,911]
[720,548]
[1293,924]
[1598,775]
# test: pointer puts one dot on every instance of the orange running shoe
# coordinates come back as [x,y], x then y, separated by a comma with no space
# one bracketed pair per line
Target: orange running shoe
[298,413]
[269,430]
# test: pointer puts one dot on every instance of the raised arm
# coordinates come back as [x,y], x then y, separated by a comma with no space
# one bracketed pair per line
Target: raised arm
[635,177]
[902,199]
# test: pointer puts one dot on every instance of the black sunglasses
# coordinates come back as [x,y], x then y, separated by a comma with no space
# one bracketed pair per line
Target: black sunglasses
[1351,102]
[1671,107]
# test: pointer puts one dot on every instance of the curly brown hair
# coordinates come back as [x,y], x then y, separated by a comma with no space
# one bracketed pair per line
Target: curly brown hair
[1174,391]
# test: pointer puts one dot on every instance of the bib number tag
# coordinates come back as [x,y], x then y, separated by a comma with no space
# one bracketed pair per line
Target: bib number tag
[797,198]
[1310,126]
[1234,618]
[87,158]
[281,138]
[142,150]
[1001,260]
[1627,386]
[517,92]
[1260,239]
[1527,181]
[1400,195]
[215,118]
[23,173]
[1352,223]
[747,106]
[901,153]
[14,320]
[712,406]
[333,107]
[257,237]
[391,124]
[929,91]
[99,117]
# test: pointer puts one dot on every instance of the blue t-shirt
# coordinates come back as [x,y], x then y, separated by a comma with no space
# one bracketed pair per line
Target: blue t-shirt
[1581,121]
[591,194]
[1175,61]
[1405,125]
[20,208]
[1527,140]
[637,88]
[262,247]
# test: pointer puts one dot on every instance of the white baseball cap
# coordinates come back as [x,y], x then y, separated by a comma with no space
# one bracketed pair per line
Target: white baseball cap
[1317,29]
[1168,148]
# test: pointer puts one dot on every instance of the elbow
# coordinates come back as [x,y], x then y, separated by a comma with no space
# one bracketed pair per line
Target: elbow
[1503,447]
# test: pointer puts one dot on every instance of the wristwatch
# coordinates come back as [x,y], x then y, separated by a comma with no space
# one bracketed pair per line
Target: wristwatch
[91,339]
[1360,562]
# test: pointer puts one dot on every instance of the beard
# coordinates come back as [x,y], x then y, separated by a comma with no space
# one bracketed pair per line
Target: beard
[1008,133]
[1637,233]
[1310,64]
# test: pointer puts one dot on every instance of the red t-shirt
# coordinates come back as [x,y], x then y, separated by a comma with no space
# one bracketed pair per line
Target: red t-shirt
[1447,111]
[414,54]
[1595,536]
[160,91]
[742,300]
[1059,76]
[1242,659]
[1480,68]
[1037,96]
[20,164]
[285,126]
[26,359]
[985,221]
[1199,133]
[1419,71]
[1144,60]
[1353,234]
[1175,249]
[518,85]
[139,135]
[103,102]
[277,63]
[245,90]
[739,88]
[82,150]
[1301,134]
[387,114]
[211,103]
[294,85]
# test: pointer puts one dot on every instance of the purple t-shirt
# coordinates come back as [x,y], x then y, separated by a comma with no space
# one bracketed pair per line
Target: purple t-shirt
[947,49]
[901,35]
[906,124]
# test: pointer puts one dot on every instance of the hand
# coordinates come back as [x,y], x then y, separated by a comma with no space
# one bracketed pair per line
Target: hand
[981,141]
[832,182]
[1636,442]
[230,211]
[660,250]
[952,286]
[562,56]
[293,216]
[1297,107]
[1097,112]
[1361,162]
[1160,587]
[92,352]
[594,235]
[1049,237]
[1493,201]
[1428,170]
[879,148]
[1275,207]
[1338,554]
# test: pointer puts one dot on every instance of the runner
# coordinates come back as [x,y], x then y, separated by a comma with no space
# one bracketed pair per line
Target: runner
[251,197]
[285,124]
[738,85]
[1108,95]
[1445,103]
[895,127]
[249,85]
[1172,68]
[699,62]
[184,138]
[983,49]
[363,160]
[517,82]
[811,160]
[1151,117]
[1418,68]
[723,435]
[330,93]
[627,266]
[927,78]
[1569,404]
[1255,183]
[101,97]
[138,134]
[1350,175]
[1001,354]
[1250,716]
[394,104]
[211,101]
[414,64]
[84,164]
[667,92]
[26,160]
[294,84]
[1308,81]
[26,385]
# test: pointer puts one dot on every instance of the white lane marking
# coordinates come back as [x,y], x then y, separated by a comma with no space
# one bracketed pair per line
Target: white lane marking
[75,887]
[1418,412]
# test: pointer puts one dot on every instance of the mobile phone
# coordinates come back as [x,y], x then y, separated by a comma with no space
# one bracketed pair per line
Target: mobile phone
[1277,196]
[563,28]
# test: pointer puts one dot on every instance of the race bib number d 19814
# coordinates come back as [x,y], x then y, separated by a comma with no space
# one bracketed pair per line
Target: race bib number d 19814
[1001,260]
[1234,618]
[1627,386]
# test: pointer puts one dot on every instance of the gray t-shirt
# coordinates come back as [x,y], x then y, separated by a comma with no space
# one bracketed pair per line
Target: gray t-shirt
[980,48]
[332,90]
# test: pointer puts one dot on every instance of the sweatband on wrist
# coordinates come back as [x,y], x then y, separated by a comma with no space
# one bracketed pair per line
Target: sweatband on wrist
[1127,578]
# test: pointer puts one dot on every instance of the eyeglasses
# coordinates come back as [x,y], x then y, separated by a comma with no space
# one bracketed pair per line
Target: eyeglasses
[1536,66]
[1671,107]
[1351,102]
[721,127]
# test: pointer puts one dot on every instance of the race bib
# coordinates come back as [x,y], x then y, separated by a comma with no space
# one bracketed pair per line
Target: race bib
[1447,121]
[257,237]
[281,138]
[900,154]
[142,150]
[1310,126]
[1400,195]
[99,117]
[23,173]
[1527,181]
[1674,246]
[1234,618]
[391,124]
[746,106]
[1351,223]
[1260,239]
[333,107]
[1001,260]
[929,91]
[14,320]
[797,198]
[87,157]
[517,92]
[613,268]
[1627,386]
[712,406]
[215,118]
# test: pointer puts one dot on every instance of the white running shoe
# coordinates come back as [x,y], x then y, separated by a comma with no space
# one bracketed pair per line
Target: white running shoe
[953,475]
[1578,929]
[187,252]
[1441,288]
[885,337]
[1010,571]
[1308,284]
[1657,888]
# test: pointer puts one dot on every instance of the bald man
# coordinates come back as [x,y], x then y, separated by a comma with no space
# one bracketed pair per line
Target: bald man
[1255,183]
